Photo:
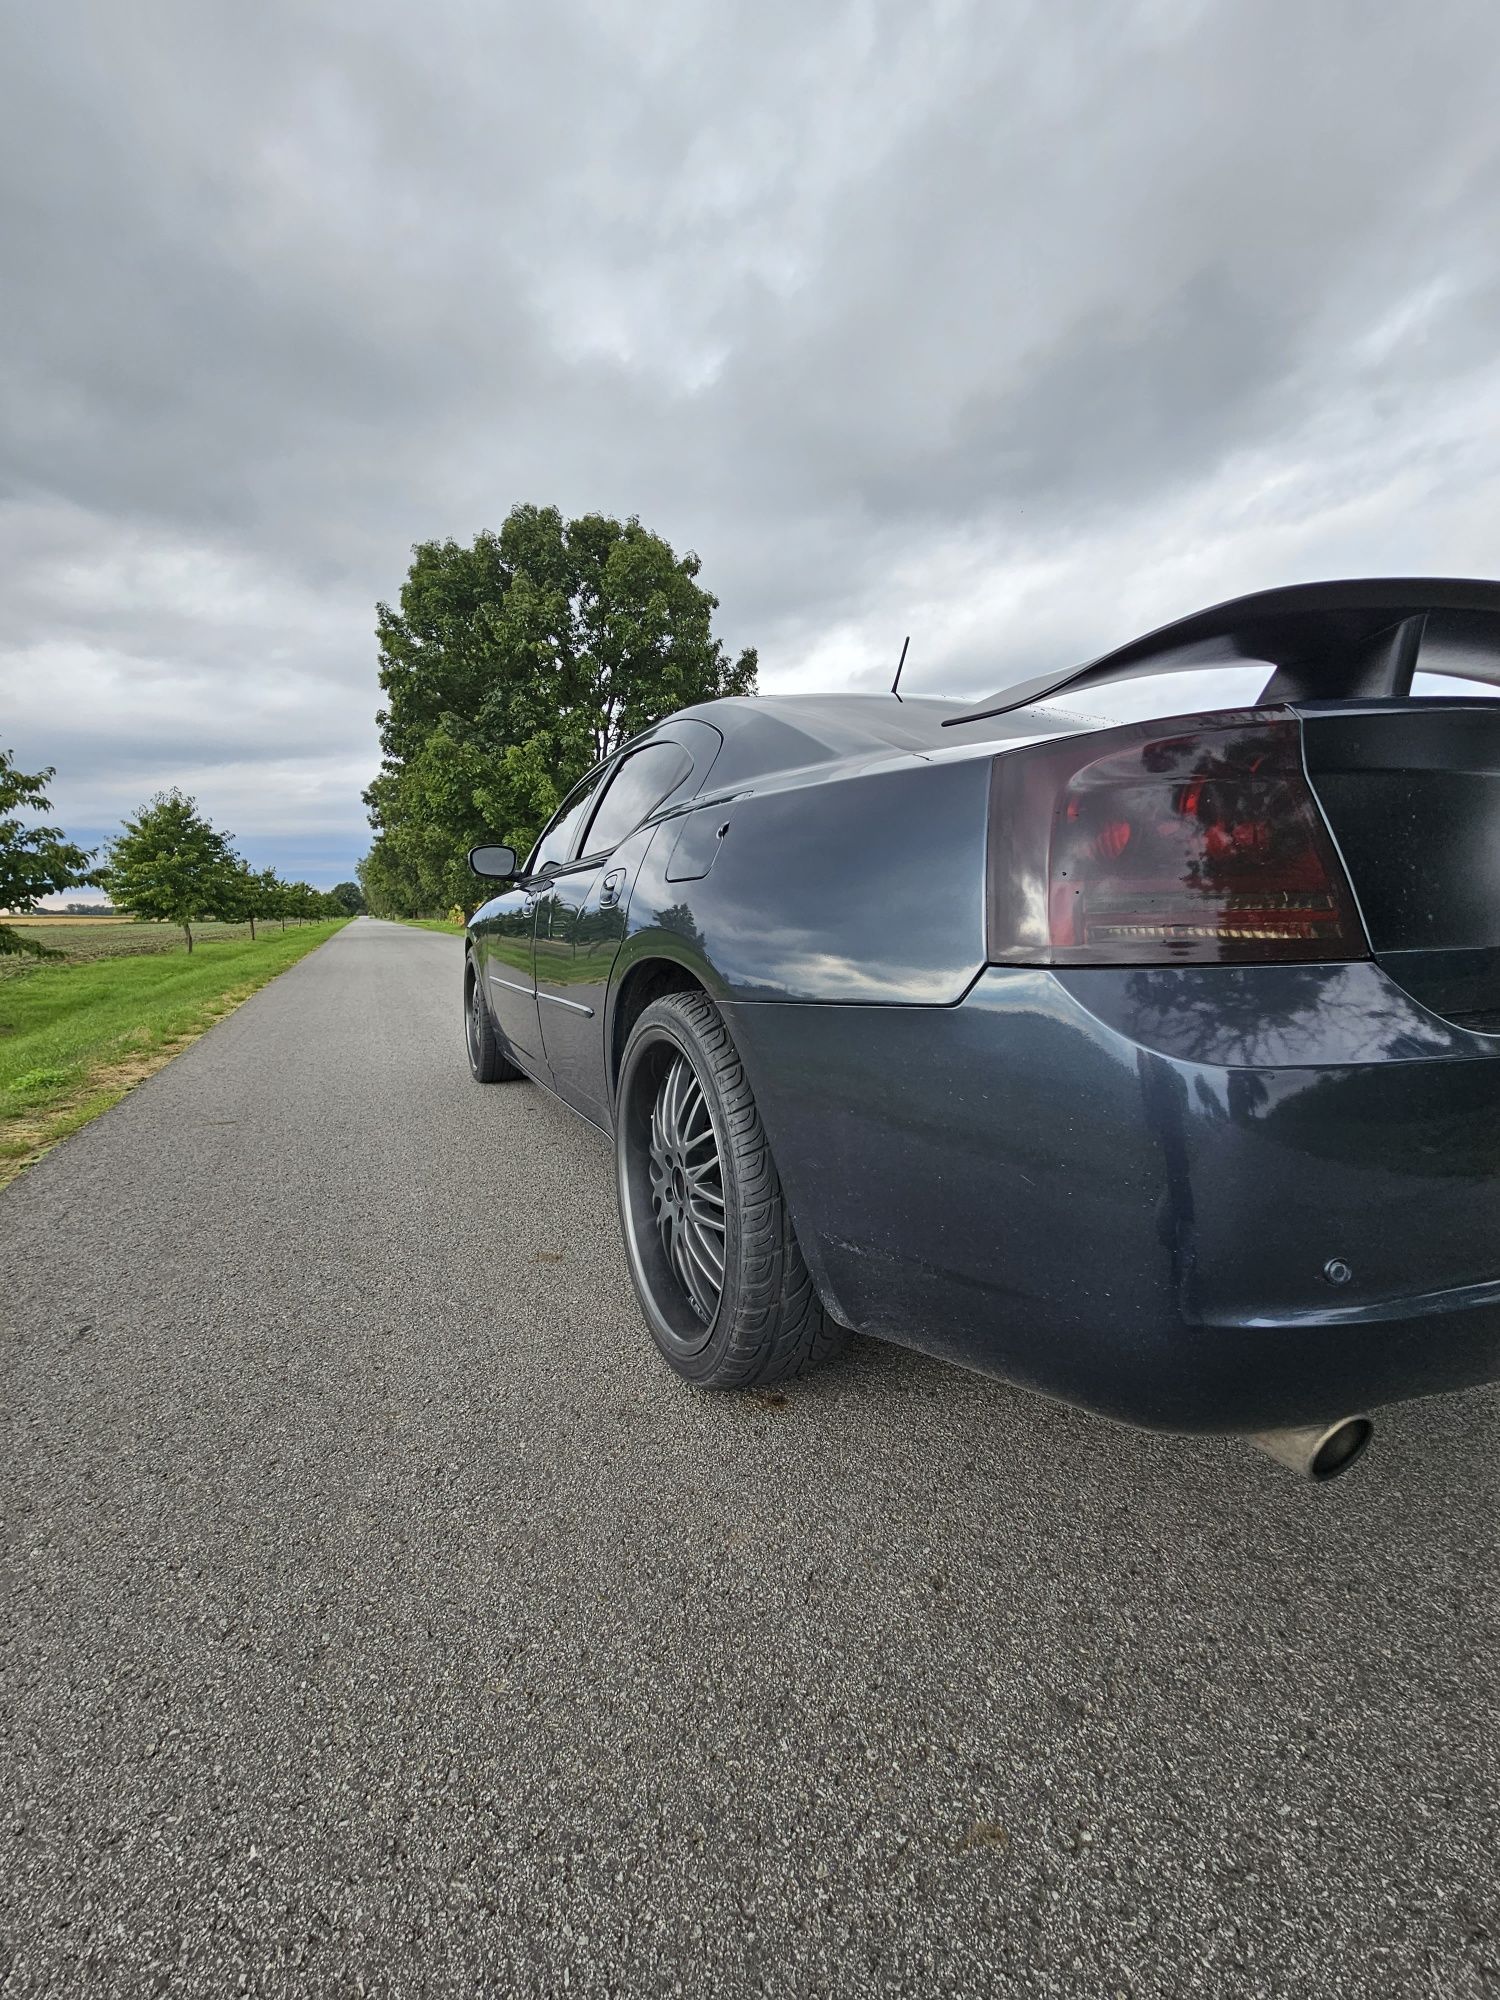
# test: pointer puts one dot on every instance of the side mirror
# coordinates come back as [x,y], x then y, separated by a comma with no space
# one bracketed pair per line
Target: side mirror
[495,864]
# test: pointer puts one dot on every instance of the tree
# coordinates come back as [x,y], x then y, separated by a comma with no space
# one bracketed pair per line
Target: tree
[273,896]
[169,865]
[305,902]
[392,887]
[240,896]
[349,897]
[35,861]
[509,668]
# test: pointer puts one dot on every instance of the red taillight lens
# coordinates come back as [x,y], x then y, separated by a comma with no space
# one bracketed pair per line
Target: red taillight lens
[1194,840]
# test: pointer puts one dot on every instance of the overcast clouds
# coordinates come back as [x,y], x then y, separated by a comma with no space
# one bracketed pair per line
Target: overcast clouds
[1018,328]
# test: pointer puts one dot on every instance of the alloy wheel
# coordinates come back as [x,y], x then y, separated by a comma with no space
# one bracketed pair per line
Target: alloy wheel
[471,1021]
[687,1186]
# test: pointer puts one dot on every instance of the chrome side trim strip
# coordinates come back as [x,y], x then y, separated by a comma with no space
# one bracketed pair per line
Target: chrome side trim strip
[535,993]
[555,1000]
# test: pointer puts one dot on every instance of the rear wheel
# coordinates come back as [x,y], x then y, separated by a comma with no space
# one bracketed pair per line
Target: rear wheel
[488,1062]
[712,1254]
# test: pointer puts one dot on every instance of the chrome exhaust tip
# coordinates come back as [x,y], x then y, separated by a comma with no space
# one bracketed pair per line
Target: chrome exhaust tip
[1317,1451]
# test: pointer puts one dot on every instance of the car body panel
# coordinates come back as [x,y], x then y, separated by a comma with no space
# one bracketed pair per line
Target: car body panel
[868,886]
[1412,797]
[501,934]
[1025,1184]
[580,926]
[575,943]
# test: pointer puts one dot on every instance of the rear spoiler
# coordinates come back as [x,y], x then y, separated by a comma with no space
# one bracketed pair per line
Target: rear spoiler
[1325,641]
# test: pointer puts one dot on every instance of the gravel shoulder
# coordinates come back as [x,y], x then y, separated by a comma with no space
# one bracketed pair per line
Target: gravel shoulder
[380,1616]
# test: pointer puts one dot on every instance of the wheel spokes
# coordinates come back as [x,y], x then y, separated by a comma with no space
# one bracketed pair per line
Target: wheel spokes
[693,1121]
[706,1254]
[687,1186]
[678,1082]
[703,1177]
[672,1229]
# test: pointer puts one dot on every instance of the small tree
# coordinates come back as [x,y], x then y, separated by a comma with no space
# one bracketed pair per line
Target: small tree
[169,865]
[273,896]
[302,900]
[34,860]
[239,897]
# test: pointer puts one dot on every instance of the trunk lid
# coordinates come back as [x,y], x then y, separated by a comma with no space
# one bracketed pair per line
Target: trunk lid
[1411,790]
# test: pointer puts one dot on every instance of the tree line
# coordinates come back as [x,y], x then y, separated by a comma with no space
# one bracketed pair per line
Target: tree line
[511,666]
[169,864]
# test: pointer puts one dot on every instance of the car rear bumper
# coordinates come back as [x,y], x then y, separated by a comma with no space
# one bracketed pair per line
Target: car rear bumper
[1198,1199]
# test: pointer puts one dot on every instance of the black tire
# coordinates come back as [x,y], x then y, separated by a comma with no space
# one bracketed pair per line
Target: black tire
[767,1322]
[488,1062]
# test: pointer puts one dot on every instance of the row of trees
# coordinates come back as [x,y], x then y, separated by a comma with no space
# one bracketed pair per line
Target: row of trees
[167,865]
[171,865]
[510,667]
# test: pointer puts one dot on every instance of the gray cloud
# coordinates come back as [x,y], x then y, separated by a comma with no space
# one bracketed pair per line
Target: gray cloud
[1019,327]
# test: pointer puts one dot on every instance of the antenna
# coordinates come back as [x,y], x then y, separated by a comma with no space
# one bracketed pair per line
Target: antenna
[896,683]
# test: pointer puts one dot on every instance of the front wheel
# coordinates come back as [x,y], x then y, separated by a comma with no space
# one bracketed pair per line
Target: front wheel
[488,1062]
[712,1255]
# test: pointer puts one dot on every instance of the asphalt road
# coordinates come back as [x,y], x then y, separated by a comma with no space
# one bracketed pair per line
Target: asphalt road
[380,1616]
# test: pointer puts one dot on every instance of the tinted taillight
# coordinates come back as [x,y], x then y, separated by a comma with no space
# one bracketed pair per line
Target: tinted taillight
[1194,839]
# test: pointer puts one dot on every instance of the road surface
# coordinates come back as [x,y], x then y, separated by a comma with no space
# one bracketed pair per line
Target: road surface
[380,1615]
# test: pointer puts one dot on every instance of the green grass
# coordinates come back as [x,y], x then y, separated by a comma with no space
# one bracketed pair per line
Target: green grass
[433,924]
[75,1037]
[82,940]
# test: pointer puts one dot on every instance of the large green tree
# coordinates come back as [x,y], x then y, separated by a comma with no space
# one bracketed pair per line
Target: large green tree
[392,886]
[512,665]
[35,861]
[170,866]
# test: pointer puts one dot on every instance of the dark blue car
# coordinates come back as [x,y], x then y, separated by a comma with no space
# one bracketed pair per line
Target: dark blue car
[1152,1065]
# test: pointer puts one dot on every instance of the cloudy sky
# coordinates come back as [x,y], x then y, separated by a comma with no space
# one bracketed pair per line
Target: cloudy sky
[1017,327]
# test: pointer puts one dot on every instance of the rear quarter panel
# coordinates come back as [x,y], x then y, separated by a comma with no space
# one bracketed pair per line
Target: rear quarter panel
[865,885]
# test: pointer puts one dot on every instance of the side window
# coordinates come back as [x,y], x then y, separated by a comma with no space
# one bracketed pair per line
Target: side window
[556,843]
[640,783]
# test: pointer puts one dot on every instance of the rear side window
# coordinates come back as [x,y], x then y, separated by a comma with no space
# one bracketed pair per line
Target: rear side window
[640,783]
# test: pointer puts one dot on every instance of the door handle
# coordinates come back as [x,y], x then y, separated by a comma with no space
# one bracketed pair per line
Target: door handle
[609,889]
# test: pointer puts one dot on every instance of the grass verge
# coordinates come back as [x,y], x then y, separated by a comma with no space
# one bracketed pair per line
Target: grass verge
[433,924]
[75,1038]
